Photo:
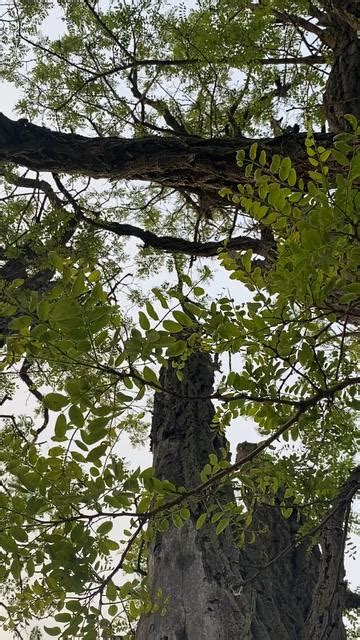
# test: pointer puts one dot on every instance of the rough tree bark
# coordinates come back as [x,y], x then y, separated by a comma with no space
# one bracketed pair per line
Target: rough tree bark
[342,94]
[217,591]
[193,164]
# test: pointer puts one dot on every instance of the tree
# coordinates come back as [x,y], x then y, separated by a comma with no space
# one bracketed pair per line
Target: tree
[180,113]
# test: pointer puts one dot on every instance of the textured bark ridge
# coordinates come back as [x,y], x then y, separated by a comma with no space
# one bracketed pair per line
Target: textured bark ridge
[217,591]
[200,166]
[342,94]
[194,569]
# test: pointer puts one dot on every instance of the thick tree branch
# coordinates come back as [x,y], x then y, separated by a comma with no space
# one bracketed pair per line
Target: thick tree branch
[159,105]
[34,183]
[169,243]
[309,60]
[198,165]
[306,25]
[180,245]
[24,376]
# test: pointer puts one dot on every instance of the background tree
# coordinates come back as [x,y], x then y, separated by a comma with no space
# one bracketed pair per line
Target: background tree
[206,126]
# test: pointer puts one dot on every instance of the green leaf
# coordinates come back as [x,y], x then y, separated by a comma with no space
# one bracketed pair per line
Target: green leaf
[184,319]
[111,591]
[150,376]
[55,452]
[144,504]
[79,285]
[63,617]
[97,424]
[55,401]
[8,544]
[306,355]
[112,610]
[325,155]
[43,310]
[222,524]
[56,260]
[30,567]
[249,170]
[19,534]
[262,158]
[94,276]
[151,311]
[285,168]
[314,162]
[97,453]
[161,298]
[76,416]
[176,349]
[309,239]
[172,327]
[60,426]
[201,520]
[253,151]
[66,310]
[275,164]
[353,287]
[294,432]
[20,323]
[352,119]
[144,321]
[246,258]
[177,520]
[340,158]
[240,157]
[105,528]
[73,605]
[52,631]
[292,177]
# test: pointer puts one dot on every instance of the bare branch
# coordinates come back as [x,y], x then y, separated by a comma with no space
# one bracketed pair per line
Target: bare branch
[306,25]
[180,245]
[35,392]
[308,60]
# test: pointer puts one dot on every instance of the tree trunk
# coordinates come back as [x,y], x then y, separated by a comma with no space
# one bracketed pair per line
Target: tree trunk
[342,94]
[215,590]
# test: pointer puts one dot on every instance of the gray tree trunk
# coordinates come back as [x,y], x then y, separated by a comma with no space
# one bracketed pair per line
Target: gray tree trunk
[342,94]
[215,590]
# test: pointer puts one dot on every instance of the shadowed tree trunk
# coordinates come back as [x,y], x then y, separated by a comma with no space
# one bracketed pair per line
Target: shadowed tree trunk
[216,590]
[342,93]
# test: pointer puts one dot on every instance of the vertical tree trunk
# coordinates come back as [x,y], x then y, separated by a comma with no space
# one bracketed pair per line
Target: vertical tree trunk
[195,569]
[342,93]
[215,590]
